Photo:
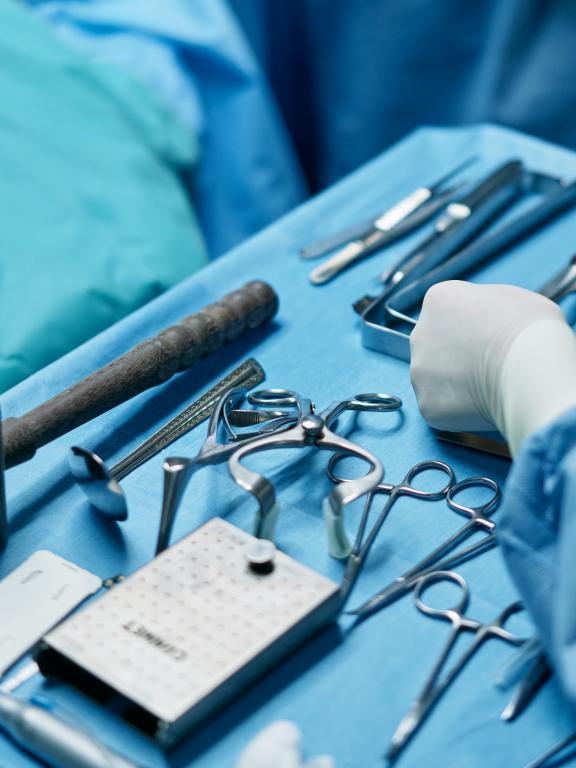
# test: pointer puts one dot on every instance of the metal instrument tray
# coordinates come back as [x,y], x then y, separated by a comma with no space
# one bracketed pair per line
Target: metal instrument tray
[189,630]
[380,330]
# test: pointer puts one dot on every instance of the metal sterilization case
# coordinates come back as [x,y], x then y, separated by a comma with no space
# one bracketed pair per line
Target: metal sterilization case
[189,630]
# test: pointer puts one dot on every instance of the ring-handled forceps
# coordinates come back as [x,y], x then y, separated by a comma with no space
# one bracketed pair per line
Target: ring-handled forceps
[362,544]
[299,424]
[311,429]
[435,686]
[443,557]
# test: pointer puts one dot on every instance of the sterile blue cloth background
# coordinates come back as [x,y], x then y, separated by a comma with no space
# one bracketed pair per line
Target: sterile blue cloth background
[347,693]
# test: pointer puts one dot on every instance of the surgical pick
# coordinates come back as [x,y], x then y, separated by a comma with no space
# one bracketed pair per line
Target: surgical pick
[301,425]
[479,519]
[435,687]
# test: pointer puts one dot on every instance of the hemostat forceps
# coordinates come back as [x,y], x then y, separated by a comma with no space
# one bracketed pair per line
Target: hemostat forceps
[479,519]
[435,687]
[299,425]
[361,547]
[311,429]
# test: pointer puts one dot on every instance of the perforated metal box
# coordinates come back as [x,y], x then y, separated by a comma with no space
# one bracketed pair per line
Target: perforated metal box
[189,630]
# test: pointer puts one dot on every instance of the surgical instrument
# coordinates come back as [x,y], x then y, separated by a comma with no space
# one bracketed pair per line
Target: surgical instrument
[475,442]
[362,545]
[461,222]
[53,740]
[378,314]
[148,364]
[537,675]
[479,519]
[562,283]
[395,222]
[435,686]
[383,232]
[3,505]
[301,426]
[315,429]
[554,751]
[101,484]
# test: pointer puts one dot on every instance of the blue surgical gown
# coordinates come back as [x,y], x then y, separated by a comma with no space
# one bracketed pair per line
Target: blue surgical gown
[287,97]
[538,535]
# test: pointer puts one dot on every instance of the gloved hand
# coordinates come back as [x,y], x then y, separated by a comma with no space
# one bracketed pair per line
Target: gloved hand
[278,746]
[492,357]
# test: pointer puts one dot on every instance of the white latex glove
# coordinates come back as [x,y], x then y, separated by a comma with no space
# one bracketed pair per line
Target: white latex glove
[492,356]
[279,746]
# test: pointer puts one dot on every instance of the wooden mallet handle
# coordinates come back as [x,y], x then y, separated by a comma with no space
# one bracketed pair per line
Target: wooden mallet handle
[146,365]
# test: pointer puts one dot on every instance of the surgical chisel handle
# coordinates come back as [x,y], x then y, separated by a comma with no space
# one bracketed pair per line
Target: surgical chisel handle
[146,365]
[53,740]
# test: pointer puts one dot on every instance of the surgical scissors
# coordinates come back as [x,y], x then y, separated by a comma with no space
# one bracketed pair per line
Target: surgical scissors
[299,425]
[362,546]
[435,687]
[479,519]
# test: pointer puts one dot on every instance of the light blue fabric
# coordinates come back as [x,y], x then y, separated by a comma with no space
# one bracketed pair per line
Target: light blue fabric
[194,55]
[347,693]
[539,538]
[339,81]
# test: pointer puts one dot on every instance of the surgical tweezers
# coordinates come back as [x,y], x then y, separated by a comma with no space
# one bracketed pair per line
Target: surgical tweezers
[378,332]
[402,218]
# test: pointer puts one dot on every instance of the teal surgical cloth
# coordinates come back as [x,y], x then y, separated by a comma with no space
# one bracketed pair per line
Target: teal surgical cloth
[94,219]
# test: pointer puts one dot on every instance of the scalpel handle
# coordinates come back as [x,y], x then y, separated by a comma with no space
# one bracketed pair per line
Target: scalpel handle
[146,365]
[462,221]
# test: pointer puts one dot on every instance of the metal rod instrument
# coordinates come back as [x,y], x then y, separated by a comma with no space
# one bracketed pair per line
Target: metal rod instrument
[101,484]
[554,751]
[148,364]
